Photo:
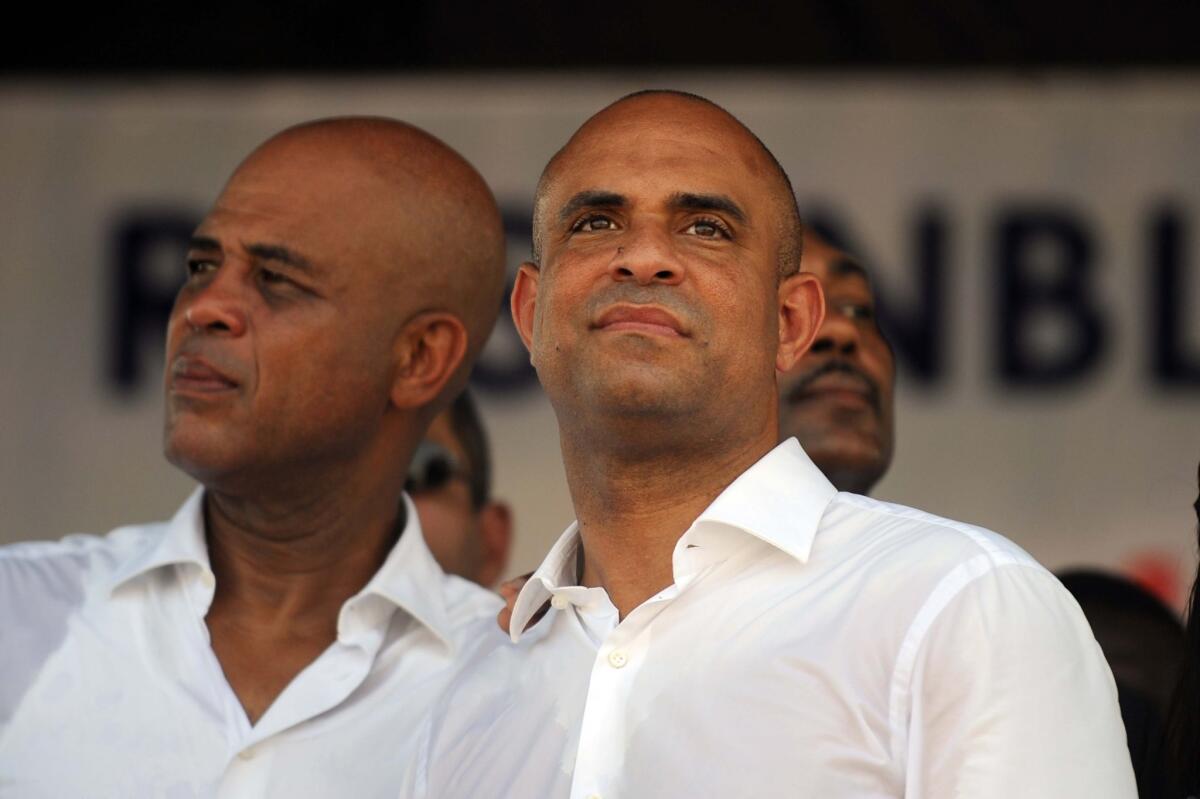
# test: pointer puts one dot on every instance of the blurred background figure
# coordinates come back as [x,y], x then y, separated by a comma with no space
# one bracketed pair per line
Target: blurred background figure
[838,401]
[450,481]
[1183,725]
[1143,642]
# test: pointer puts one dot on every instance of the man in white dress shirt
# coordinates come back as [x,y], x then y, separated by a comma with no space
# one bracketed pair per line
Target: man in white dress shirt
[723,622]
[284,633]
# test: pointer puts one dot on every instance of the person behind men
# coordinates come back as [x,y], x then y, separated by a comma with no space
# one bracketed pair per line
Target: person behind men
[1183,725]
[281,635]
[838,398]
[1143,642]
[723,622]
[450,482]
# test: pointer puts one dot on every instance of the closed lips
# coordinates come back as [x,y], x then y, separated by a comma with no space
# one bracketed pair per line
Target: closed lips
[641,319]
[195,373]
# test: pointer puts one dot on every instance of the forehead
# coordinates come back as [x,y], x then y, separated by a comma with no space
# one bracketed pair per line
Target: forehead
[330,211]
[294,190]
[651,150]
[832,266]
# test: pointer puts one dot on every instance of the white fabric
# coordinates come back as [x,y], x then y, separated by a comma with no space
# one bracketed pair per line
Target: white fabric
[109,686]
[814,644]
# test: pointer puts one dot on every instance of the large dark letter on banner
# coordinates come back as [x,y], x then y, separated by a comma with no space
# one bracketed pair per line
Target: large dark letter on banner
[1049,331]
[1172,364]
[148,252]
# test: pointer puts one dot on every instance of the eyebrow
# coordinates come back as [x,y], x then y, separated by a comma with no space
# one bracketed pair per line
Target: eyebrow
[266,252]
[684,201]
[687,201]
[591,198]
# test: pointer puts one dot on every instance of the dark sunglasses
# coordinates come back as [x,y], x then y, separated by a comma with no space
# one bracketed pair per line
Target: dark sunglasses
[432,467]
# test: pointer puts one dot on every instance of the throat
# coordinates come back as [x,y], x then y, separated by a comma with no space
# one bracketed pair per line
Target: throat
[260,664]
[631,565]
[278,596]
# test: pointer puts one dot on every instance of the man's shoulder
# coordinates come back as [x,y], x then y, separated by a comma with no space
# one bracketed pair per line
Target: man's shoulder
[893,531]
[908,564]
[71,564]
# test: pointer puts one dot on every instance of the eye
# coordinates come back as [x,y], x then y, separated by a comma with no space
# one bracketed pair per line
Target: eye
[199,266]
[852,310]
[592,223]
[708,229]
[269,276]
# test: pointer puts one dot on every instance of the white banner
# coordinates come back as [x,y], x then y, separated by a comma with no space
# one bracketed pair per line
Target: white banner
[1035,243]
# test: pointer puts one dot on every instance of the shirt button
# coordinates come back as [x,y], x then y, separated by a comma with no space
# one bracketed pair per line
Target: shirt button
[559,602]
[593,796]
[208,579]
[617,659]
[247,754]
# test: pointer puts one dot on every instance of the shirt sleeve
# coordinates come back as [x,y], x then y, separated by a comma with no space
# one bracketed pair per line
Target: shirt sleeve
[1010,696]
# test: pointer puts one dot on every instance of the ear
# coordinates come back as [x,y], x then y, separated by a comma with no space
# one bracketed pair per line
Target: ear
[524,301]
[427,353]
[495,542]
[801,312]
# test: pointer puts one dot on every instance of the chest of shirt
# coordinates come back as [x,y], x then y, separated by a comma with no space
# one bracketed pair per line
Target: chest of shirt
[135,704]
[719,691]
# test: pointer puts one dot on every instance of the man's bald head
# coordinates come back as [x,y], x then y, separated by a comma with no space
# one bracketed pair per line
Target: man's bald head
[341,285]
[431,220]
[661,101]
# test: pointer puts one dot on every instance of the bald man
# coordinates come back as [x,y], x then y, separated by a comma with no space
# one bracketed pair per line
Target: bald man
[838,400]
[722,621]
[282,635]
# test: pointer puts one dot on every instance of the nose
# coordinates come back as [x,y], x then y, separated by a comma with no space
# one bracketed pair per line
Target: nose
[839,335]
[646,256]
[216,306]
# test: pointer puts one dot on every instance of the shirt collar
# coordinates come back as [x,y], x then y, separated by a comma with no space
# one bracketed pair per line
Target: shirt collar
[409,579]
[779,500]
[181,542]
[558,570]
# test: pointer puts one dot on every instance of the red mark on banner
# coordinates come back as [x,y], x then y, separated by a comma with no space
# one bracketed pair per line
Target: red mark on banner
[1158,572]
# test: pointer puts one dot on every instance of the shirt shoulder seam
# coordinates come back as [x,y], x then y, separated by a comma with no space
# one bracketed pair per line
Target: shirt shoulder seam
[85,544]
[950,586]
[980,537]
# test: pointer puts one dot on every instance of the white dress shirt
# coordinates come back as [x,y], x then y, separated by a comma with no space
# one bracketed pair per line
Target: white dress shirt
[814,644]
[109,686]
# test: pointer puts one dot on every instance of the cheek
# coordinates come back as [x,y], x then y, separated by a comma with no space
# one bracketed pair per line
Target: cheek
[446,528]
[176,327]
[561,306]
[878,360]
[325,375]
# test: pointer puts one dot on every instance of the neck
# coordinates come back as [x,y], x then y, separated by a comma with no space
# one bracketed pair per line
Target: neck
[633,503]
[295,555]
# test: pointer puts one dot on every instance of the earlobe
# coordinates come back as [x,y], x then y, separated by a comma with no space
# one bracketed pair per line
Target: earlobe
[427,353]
[801,312]
[524,301]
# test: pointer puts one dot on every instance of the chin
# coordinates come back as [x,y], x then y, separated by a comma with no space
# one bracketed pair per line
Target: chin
[857,471]
[634,396]
[203,455]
